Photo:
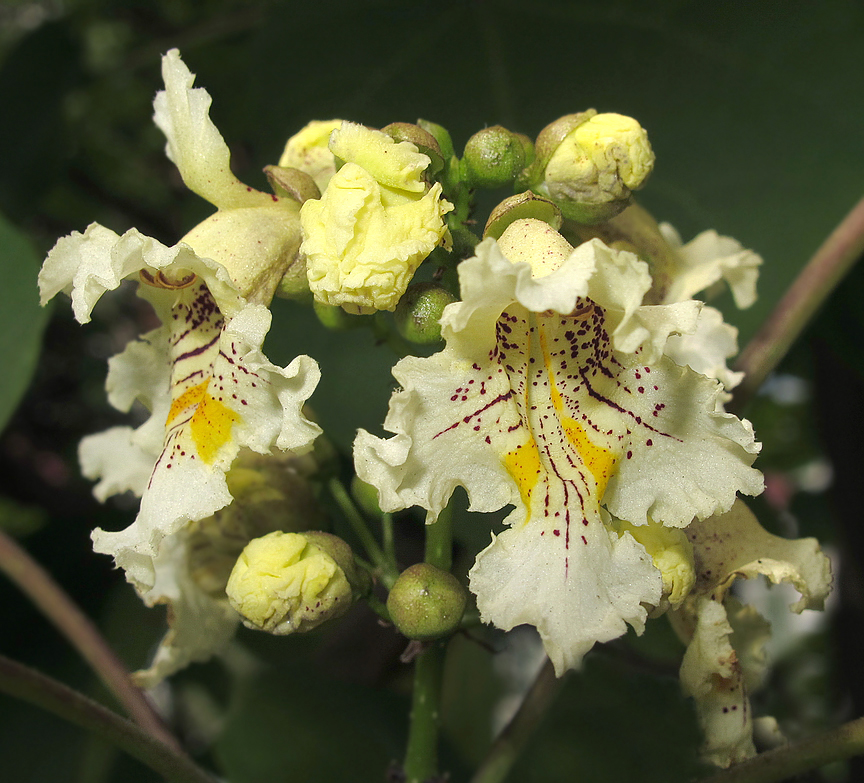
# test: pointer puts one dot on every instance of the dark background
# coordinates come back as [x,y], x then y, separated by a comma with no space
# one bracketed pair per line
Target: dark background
[756,114]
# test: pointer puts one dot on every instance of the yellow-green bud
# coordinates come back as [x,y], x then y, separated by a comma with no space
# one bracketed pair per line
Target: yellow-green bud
[292,582]
[271,492]
[493,157]
[594,166]
[292,183]
[672,554]
[426,602]
[521,206]
[419,311]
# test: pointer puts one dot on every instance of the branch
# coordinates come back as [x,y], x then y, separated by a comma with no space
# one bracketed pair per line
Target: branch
[31,686]
[814,284]
[782,763]
[510,742]
[59,608]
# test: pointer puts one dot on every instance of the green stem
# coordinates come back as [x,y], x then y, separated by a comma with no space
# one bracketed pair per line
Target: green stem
[791,760]
[817,280]
[421,756]
[59,608]
[31,686]
[361,530]
[510,742]
[439,541]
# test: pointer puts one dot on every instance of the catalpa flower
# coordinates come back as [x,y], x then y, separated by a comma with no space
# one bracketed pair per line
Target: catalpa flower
[202,375]
[553,394]
[717,675]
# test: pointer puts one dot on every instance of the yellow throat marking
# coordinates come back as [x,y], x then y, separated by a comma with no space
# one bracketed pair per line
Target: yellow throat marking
[211,423]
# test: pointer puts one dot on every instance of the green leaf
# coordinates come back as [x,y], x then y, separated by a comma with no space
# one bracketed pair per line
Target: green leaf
[21,319]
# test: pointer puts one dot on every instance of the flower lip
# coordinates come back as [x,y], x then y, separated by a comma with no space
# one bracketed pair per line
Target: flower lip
[570,420]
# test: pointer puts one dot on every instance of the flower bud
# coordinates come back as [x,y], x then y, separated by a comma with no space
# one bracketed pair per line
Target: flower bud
[419,311]
[589,163]
[307,150]
[287,583]
[375,223]
[522,206]
[536,243]
[672,554]
[441,135]
[426,602]
[493,157]
[292,183]
[335,318]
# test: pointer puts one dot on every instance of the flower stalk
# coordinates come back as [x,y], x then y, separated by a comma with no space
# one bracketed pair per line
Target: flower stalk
[421,756]
[791,760]
[508,745]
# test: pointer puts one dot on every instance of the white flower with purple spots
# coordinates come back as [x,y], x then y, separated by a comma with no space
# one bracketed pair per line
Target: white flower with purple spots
[554,395]
[202,374]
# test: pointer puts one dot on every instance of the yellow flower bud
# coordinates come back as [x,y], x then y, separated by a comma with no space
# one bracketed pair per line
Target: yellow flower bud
[672,554]
[592,171]
[307,150]
[374,225]
[534,242]
[289,583]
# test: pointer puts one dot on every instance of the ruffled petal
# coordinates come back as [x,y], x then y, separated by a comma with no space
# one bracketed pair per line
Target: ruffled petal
[194,144]
[199,624]
[532,402]
[709,258]
[85,266]
[577,584]
[717,675]
[707,348]
[224,395]
[733,545]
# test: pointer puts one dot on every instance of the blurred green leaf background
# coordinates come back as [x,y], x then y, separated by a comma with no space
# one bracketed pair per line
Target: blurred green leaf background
[756,114]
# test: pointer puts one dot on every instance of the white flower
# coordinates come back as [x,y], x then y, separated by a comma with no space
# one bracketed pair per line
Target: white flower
[554,395]
[202,374]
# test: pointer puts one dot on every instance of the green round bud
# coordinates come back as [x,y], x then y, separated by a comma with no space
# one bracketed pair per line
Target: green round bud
[426,602]
[419,311]
[493,157]
[441,135]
